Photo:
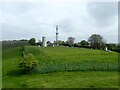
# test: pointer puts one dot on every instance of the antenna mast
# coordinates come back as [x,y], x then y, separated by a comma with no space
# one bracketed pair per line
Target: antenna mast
[57,35]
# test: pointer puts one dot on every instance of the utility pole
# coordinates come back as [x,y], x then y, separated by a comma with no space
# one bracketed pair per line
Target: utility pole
[57,35]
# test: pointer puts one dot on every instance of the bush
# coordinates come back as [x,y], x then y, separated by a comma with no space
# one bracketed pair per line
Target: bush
[32,41]
[28,64]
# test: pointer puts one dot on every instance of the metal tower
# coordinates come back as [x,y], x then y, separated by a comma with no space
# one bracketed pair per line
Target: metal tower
[57,35]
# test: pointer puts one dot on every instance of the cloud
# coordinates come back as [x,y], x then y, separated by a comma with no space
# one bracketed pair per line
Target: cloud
[77,19]
[103,13]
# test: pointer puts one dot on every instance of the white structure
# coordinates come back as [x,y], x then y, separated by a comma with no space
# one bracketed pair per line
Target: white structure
[44,42]
[106,49]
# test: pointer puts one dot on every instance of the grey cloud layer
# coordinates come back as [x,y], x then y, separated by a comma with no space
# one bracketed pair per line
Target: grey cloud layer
[80,20]
[103,13]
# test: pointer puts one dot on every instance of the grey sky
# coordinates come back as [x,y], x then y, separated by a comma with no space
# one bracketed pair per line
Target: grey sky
[24,20]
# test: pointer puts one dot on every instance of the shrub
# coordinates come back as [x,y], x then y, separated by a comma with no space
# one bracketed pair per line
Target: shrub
[28,63]
[32,41]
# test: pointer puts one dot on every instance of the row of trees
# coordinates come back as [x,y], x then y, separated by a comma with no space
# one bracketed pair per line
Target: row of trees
[95,41]
[14,43]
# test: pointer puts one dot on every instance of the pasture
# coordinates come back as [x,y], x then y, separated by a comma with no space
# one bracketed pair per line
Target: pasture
[61,67]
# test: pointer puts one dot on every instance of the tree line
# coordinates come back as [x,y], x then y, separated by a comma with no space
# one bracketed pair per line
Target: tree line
[95,41]
[14,43]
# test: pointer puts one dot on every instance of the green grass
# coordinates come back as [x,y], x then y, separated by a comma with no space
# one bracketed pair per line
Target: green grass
[63,54]
[58,68]
[73,59]
[64,80]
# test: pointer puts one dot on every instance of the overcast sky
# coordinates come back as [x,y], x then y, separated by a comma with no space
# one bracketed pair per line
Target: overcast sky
[24,20]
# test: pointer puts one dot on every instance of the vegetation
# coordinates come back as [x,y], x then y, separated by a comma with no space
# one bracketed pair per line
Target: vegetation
[28,63]
[58,66]
[74,59]
[84,43]
[14,43]
[70,41]
[97,41]
[32,41]
[113,47]
[63,80]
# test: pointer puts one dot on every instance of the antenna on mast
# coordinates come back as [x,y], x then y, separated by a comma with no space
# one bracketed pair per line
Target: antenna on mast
[57,34]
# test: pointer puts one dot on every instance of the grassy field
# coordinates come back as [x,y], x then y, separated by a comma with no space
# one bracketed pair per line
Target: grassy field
[73,59]
[62,67]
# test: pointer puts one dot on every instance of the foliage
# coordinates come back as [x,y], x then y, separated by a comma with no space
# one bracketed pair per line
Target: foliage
[110,46]
[60,57]
[113,47]
[70,41]
[84,42]
[61,42]
[76,45]
[96,41]
[39,43]
[49,43]
[14,43]
[29,63]
[73,59]
[117,49]
[32,41]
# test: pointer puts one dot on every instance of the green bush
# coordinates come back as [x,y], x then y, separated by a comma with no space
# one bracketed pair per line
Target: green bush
[28,63]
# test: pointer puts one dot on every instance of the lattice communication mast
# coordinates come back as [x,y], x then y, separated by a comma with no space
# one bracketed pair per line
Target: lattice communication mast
[57,35]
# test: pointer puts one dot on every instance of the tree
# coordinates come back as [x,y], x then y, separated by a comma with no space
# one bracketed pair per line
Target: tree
[110,46]
[39,43]
[61,42]
[49,43]
[32,41]
[113,47]
[76,45]
[70,41]
[83,43]
[96,41]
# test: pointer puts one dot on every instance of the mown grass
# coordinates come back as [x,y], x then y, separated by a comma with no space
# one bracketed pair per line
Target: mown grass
[58,68]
